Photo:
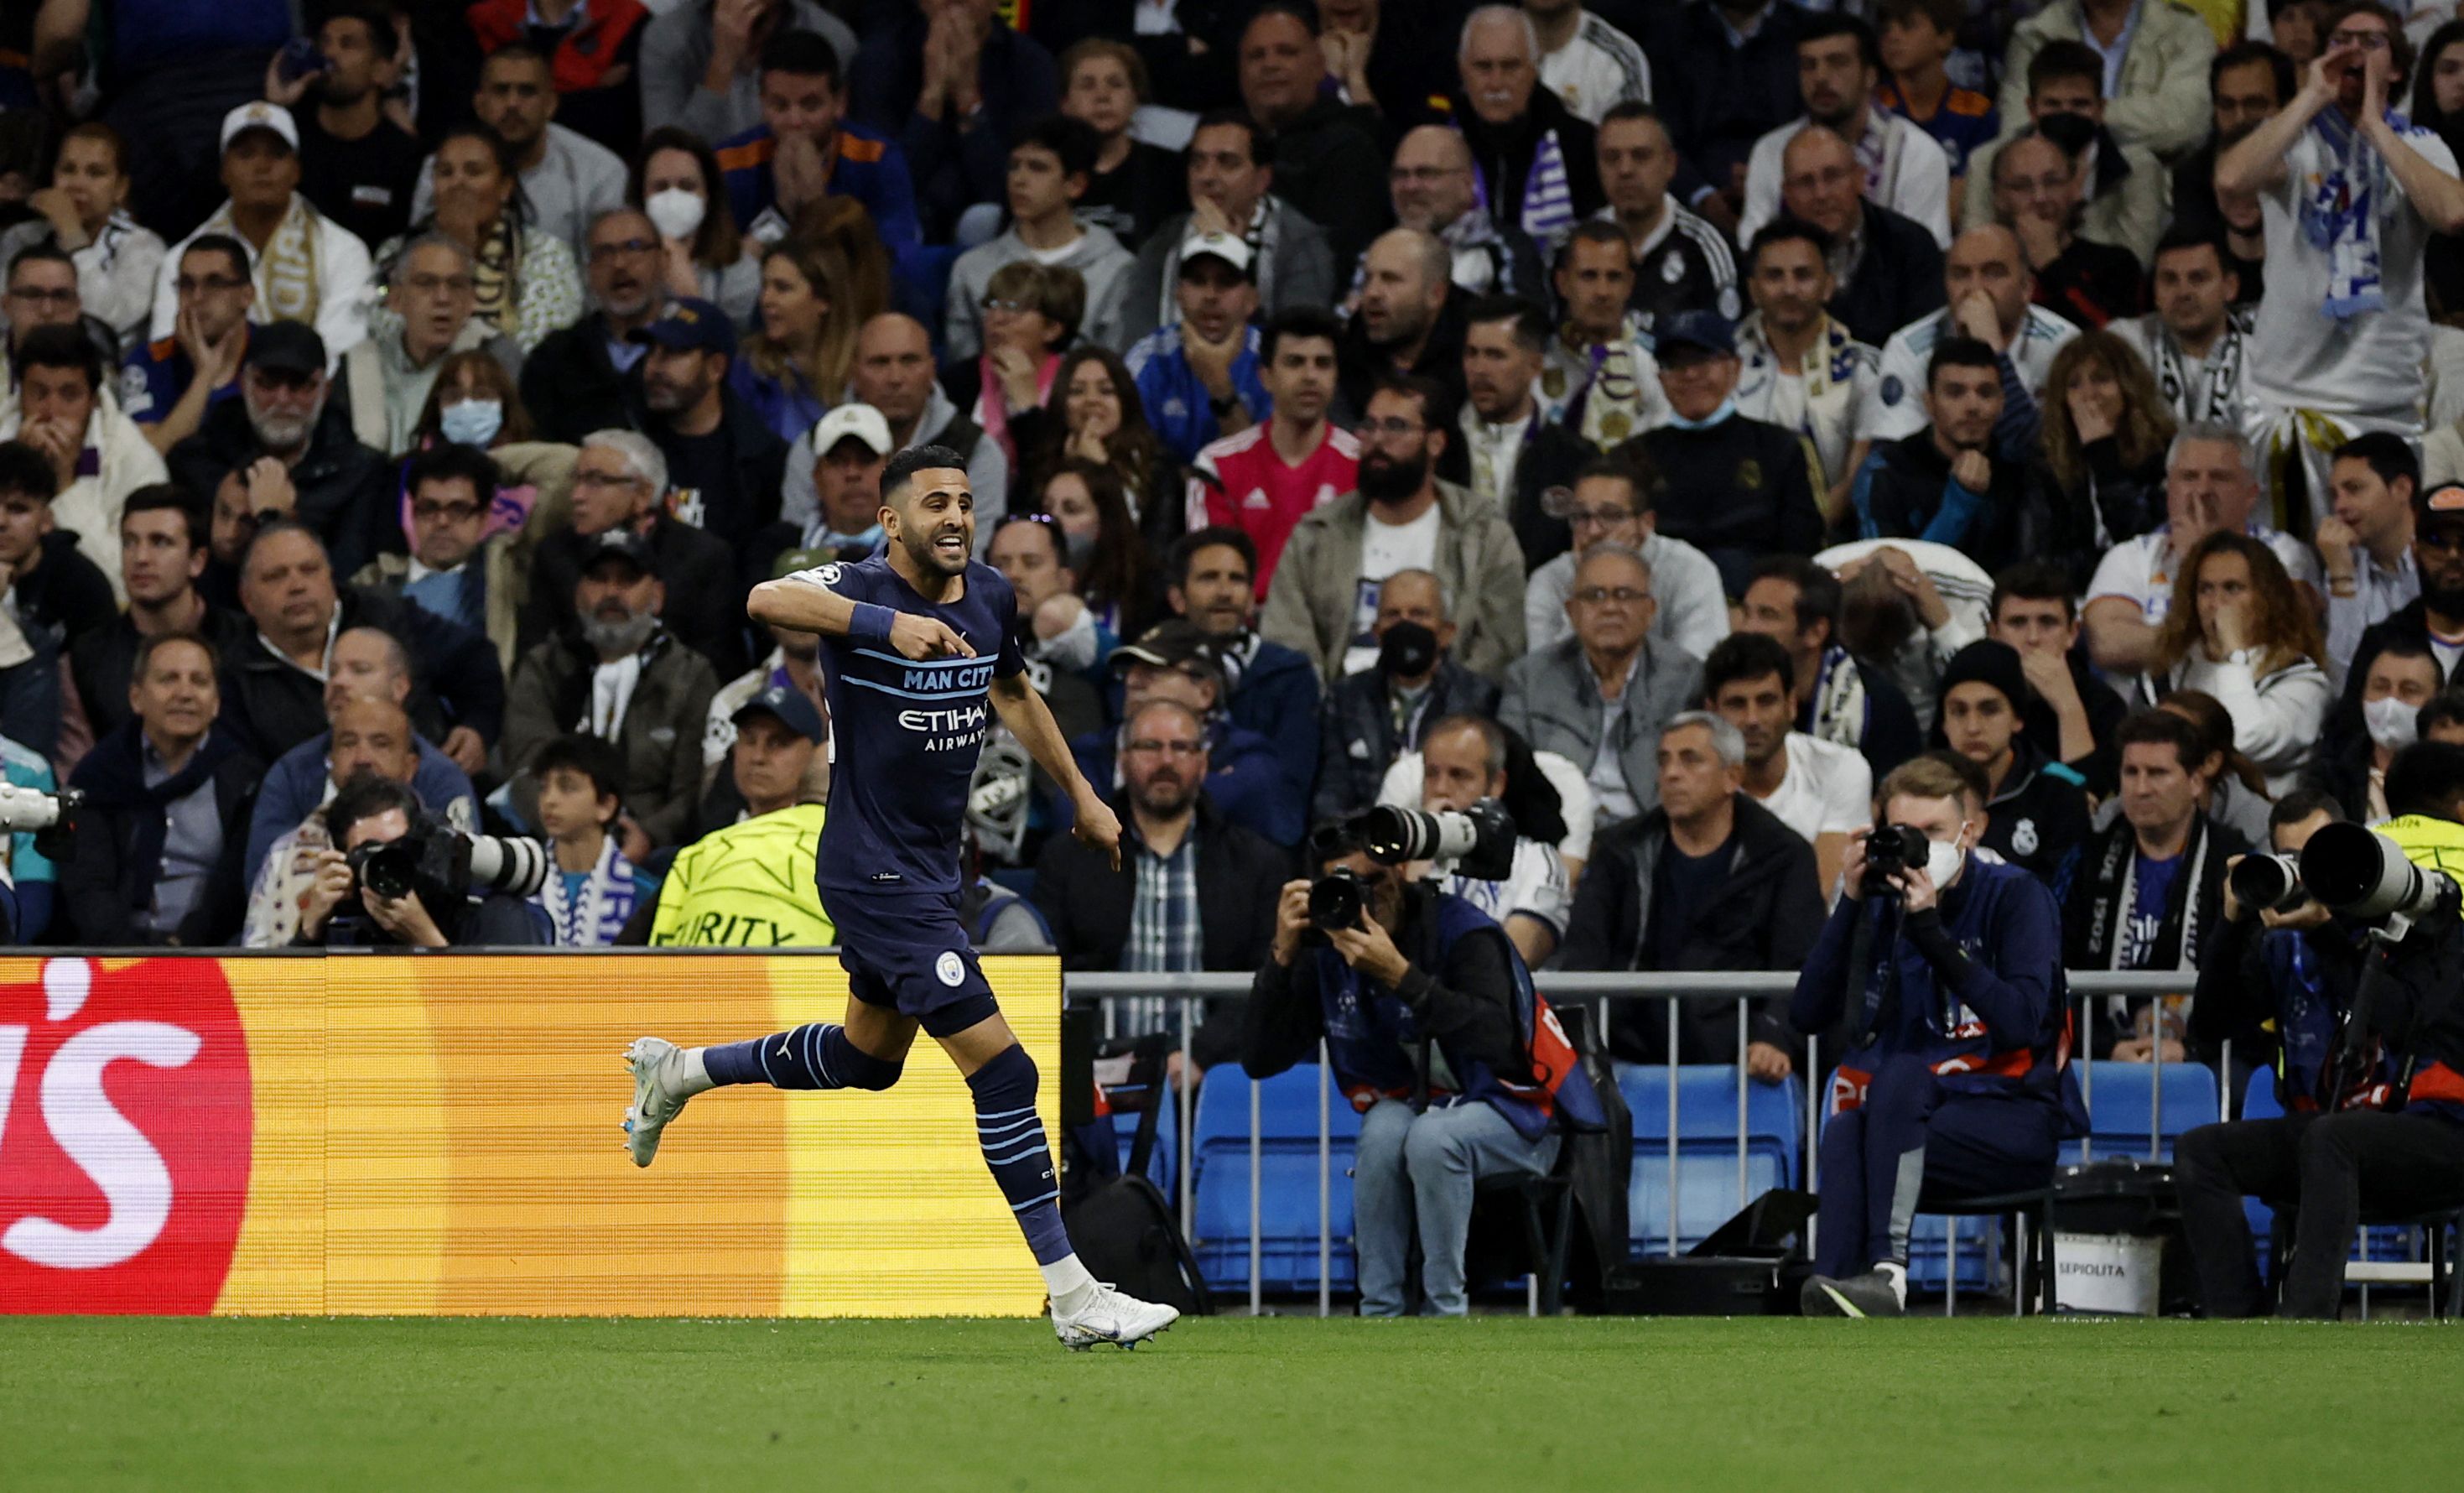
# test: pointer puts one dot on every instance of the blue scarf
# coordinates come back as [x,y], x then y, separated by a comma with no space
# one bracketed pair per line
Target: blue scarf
[2340,208]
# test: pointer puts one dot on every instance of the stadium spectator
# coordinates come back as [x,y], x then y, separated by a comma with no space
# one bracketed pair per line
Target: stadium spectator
[1915,39]
[2210,487]
[1465,758]
[2366,545]
[851,444]
[2360,370]
[593,51]
[1031,314]
[55,595]
[368,664]
[1193,890]
[1133,185]
[2122,192]
[2039,180]
[274,692]
[1924,1099]
[1230,183]
[1375,715]
[1679,261]
[1324,157]
[1116,581]
[591,889]
[2150,61]
[724,465]
[1820,789]
[562,179]
[1410,319]
[1402,517]
[749,883]
[306,267]
[955,87]
[1197,375]
[1512,453]
[1886,269]
[1385,70]
[285,447]
[700,64]
[1051,161]
[1908,605]
[1985,281]
[796,360]
[1839,697]
[2236,791]
[1707,880]
[1431,184]
[622,677]
[2149,886]
[371,738]
[1727,76]
[1838,64]
[1733,487]
[895,374]
[1588,63]
[1598,378]
[168,384]
[2397,681]
[1095,414]
[43,293]
[1600,697]
[357,165]
[525,279]
[387,379]
[1416,1169]
[2247,81]
[2435,616]
[1800,368]
[1056,627]
[156,858]
[2196,341]
[2069,713]
[2239,631]
[1245,771]
[456,570]
[1952,482]
[1265,479]
[2035,809]
[805,148]
[2102,474]
[1536,161]
[577,381]
[1271,688]
[701,255]
[83,213]
[1608,503]
[162,553]
[791,665]
[97,454]
[342,910]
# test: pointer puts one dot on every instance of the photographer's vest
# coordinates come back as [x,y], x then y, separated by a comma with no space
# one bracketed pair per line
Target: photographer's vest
[1369,1034]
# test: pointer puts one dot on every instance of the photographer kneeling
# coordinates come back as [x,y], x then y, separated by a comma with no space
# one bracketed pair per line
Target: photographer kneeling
[400,879]
[1435,1034]
[2369,1030]
[1956,1080]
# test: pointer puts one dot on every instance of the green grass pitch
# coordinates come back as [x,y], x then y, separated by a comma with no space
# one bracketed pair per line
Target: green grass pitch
[1492,1403]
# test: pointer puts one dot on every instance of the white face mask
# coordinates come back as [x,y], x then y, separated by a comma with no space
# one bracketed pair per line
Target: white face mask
[675,213]
[2391,722]
[1944,859]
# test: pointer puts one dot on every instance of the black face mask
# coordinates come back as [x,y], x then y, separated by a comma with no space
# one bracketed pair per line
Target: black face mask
[1407,652]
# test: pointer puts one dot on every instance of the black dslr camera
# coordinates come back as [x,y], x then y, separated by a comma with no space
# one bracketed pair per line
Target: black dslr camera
[1890,850]
[1477,842]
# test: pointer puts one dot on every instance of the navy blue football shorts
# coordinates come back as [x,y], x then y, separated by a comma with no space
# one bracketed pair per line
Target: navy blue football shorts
[905,952]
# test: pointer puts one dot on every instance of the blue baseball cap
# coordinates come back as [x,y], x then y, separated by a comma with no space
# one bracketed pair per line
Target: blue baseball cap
[1708,330]
[686,323]
[788,707]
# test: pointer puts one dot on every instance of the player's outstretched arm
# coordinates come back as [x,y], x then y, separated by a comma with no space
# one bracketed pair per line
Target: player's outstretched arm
[807,607]
[1029,719]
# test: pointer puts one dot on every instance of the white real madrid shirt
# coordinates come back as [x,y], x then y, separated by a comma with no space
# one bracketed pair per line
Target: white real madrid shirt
[1894,402]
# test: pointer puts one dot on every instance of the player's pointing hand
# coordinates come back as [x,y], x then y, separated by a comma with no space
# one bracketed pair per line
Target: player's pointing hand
[920,638]
[1098,826]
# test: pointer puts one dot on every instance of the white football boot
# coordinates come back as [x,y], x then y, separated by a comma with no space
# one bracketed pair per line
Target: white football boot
[1111,1317]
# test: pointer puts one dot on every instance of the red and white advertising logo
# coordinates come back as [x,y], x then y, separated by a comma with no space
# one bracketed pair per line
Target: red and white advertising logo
[126,1119]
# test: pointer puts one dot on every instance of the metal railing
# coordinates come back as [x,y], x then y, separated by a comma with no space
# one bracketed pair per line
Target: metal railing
[1603,993]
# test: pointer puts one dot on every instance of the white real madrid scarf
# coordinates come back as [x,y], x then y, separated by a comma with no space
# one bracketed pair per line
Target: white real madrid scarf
[2218,398]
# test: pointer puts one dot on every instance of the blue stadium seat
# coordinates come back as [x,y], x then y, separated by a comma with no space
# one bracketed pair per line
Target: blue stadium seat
[1286,1181]
[1707,1148]
[2122,1107]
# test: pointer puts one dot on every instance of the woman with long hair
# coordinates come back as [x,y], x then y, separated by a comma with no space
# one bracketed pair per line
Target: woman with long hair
[2236,791]
[2438,106]
[797,357]
[2106,431]
[1095,414]
[1116,578]
[2239,631]
[525,280]
[674,181]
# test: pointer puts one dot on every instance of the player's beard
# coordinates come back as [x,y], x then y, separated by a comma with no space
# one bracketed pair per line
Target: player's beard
[923,547]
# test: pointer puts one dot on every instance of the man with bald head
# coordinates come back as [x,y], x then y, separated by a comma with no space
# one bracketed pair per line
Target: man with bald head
[895,374]
[1838,62]
[1988,290]
[573,382]
[1887,269]
[368,664]
[1534,158]
[1408,322]
[1431,184]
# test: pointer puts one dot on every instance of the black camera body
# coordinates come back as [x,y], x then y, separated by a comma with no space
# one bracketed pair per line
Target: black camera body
[1890,850]
[1339,899]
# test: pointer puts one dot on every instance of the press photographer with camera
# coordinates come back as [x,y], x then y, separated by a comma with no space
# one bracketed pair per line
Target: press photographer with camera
[1946,968]
[2347,942]
[402,880]
[1435,1034]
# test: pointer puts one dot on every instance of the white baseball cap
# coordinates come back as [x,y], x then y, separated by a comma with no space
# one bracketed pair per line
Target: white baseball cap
[1230,247]
[260,116]
[862,422]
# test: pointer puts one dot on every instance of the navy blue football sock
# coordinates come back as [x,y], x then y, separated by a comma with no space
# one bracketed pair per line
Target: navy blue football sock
[1012,1137]
[816,1055]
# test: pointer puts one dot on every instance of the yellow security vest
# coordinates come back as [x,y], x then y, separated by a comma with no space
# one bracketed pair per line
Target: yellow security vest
[748,885]
[2430,843]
